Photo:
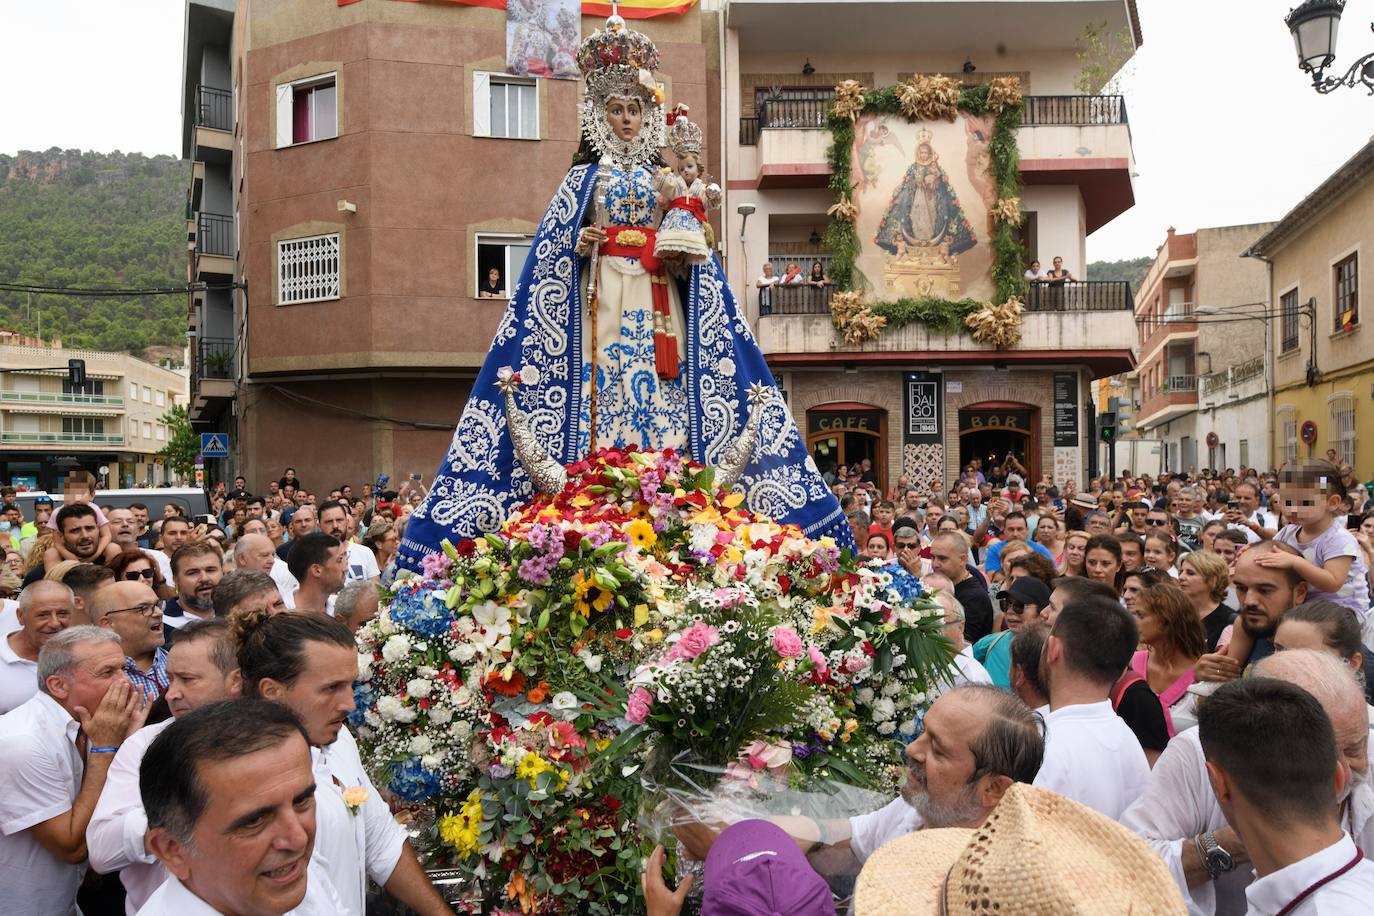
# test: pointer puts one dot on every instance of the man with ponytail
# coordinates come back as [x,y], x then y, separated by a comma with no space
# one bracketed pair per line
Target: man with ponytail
[308,662]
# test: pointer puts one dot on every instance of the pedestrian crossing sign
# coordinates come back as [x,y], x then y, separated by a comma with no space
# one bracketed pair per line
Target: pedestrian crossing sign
[214,445]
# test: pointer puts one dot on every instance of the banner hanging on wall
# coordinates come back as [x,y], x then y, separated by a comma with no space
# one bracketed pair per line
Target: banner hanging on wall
[542,38]
[629,9]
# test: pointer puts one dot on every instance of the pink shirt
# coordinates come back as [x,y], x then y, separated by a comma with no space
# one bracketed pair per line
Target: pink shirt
[1140,664]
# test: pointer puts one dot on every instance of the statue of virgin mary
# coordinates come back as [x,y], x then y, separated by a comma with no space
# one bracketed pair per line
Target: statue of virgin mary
[623,352]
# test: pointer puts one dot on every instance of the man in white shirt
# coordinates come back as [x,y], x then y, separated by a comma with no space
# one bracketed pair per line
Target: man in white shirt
[308,662]
[173,534]
[1178,813]
[1272,762]
[335,521]
[257,552]
[201,669]
[977,741]
[56,755]
[230,801]
[1091,755]
[318,561]
[45,609]
[1248,518]
[965,668]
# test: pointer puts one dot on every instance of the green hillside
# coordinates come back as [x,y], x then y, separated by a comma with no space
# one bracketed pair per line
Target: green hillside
[1132,271]
[116,220]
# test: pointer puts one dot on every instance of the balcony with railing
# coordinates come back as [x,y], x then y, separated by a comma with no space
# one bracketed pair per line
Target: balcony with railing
[1080,296]
[1169,387]
[790,145]
[213,124]
[1175,320]
[212,382]
[58,399]
[795,300]
[1225,381]
[59,438]
[214,245]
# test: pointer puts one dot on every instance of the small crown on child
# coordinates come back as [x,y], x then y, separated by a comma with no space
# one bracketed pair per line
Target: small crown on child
[684,137]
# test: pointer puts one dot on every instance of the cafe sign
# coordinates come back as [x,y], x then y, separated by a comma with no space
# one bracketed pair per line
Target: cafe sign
[848,421]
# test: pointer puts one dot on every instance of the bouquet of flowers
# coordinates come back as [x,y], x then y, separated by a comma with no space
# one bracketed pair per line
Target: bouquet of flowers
[529,683]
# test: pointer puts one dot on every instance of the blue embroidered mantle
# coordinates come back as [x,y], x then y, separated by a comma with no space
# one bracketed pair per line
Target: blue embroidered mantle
[480,480]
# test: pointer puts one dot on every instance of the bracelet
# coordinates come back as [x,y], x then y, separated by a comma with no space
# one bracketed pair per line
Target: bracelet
[103,750]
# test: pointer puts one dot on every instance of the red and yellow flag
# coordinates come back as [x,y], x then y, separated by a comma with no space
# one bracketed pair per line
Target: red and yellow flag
[630,9]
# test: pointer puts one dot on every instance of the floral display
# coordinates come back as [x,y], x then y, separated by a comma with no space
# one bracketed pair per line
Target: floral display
[529,684]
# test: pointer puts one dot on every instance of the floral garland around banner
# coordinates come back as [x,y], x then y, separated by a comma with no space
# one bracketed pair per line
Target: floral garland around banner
[929,98]
[530,693]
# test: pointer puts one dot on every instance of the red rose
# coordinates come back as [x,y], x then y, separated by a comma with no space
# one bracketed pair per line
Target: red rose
[466,547]
[572,539]
[625,633]
[785,584]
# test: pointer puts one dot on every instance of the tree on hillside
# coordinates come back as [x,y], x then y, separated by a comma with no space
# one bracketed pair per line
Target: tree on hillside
[183,445]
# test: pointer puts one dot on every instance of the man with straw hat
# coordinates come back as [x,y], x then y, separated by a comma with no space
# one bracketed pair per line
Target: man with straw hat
[1038,853]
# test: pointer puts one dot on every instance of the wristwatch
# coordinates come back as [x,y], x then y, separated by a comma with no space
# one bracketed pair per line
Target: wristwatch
[1217,859]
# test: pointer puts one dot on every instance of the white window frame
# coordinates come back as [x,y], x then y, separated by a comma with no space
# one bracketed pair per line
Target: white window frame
[147,430]
[133,428]
[481,103]
[161,433]
[147,395]
[1340,433]
[511,274]
[1244,453]
[160,398]
[286,102]
[318,288]
[133,391]
[1288,424]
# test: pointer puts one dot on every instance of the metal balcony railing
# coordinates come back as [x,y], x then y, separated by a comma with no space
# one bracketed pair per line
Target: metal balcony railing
[809,108]
[1233,375]
[214,108]
[215,235]
[1080,296]
[1177,383]
[58,399]
[215,358]
[795,300]
[61,438]
[1073,110]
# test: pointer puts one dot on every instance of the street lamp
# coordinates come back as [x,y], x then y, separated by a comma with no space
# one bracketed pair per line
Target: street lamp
[1314,24]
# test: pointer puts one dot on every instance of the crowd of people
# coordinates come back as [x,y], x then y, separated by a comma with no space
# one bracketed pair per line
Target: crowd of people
[1134,666]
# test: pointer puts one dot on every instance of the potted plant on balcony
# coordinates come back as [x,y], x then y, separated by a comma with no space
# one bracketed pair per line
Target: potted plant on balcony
[217,364]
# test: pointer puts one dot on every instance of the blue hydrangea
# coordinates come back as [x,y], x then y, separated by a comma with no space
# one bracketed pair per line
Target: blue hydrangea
[411,781]
[422,610]
[907,586]
[363,698]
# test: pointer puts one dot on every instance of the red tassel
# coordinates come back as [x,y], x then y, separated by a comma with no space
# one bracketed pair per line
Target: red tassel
[665,355]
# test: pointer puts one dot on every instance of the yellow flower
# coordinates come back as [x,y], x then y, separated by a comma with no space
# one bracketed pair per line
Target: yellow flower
[733,500]
[641,614]
[353,797]
[654,636]
[462,829]
[641,534]
[530,768]
[588,596]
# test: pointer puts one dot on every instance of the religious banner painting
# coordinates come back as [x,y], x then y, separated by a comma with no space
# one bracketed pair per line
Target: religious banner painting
[542,38]
[924,191]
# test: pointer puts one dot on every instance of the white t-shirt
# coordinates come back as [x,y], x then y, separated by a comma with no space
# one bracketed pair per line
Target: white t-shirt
[40,779]
[18,677]
[9,615]
[114,837]
[175,899]
[1093,757]
[353,846]
[1264,519]
[1348,893]
[362,564]
[164,564]
[869,832]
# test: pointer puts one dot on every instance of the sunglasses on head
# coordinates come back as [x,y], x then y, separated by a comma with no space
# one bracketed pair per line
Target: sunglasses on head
[134,574]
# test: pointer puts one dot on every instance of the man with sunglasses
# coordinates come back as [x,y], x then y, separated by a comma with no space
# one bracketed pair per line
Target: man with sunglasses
[1160,518]
[132,611]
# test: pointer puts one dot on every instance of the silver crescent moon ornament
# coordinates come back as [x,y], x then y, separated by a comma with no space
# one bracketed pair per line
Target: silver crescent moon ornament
[547,475]
[738,454]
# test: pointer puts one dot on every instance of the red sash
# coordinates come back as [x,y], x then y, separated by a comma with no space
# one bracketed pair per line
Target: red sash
[692,205]
[638,242]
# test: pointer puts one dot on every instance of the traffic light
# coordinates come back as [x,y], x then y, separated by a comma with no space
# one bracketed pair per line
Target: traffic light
[76,372]
[1107,426]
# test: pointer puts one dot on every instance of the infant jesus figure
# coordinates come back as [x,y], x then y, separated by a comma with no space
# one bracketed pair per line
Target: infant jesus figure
[684,236]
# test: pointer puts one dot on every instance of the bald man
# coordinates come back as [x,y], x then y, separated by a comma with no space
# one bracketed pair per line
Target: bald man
[257,553]
[132,611]
[45,609]
[1178,814]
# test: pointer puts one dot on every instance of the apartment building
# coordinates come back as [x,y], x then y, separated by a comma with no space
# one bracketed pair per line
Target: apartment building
[1198,392]
[358,168]
[114,421]
[915,401]
[1323,362]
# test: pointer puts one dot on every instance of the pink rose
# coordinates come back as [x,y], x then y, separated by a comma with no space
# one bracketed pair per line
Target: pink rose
[762,755]
[638,705]
[818,660]
[787,643]
[695,640]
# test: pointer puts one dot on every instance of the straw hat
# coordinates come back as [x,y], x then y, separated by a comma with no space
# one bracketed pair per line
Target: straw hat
[1038,853]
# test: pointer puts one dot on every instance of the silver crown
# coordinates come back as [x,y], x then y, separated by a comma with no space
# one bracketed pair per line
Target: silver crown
[684,137]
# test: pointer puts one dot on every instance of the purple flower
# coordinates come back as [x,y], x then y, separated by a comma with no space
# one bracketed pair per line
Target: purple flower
[436,565]
[534,571]
[599,534]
